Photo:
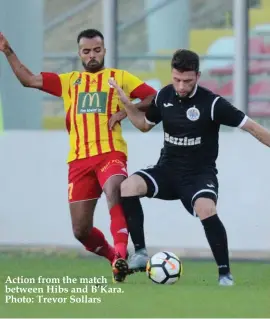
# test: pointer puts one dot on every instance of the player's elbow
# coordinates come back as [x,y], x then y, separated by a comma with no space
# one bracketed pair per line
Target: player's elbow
[26,84]
[144,129]
[25,80]
[31,82]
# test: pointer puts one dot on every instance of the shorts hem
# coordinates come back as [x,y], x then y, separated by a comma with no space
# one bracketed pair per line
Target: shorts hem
[112,176]
[148,178]
[83,200]
[202,193]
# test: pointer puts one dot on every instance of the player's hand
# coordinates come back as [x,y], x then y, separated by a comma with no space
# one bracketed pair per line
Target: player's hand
[122,96]
[4,45]
[117,118]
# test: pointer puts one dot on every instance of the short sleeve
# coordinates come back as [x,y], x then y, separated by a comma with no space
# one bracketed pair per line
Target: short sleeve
[56,84]
[135,88]
[153,114]
[223,112]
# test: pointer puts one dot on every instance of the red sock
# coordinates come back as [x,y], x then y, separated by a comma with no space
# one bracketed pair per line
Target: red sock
[119,230]
[96,243]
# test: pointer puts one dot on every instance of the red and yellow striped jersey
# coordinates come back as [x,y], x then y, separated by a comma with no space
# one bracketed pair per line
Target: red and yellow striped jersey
[89,102]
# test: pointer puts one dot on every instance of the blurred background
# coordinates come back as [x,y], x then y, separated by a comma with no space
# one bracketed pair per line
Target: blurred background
[141,36]
[233,40]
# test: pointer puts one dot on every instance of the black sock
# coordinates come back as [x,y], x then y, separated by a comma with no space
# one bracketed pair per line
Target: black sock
[217,239]
[135,219]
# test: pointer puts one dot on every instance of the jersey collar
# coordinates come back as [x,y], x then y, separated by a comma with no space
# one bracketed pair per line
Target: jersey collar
[194,91]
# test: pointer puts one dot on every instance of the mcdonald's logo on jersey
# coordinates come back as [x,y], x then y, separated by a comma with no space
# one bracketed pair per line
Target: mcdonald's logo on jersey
[92,102]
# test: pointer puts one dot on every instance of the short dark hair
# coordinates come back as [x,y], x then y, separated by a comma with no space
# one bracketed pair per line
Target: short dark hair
[185,60]
[89,34]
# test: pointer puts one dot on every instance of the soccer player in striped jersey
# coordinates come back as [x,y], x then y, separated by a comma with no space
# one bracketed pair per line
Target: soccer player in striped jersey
[98,152]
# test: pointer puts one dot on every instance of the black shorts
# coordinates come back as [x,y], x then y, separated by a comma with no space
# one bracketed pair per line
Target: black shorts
[166,184]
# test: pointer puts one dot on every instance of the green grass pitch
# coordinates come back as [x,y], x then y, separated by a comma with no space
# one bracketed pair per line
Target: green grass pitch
[196,294]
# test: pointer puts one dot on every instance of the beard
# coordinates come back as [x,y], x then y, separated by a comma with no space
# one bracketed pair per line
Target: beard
[187,95]
[93,66]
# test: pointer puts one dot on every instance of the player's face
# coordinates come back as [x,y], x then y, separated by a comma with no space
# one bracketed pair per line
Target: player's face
[184,82]
[92,52]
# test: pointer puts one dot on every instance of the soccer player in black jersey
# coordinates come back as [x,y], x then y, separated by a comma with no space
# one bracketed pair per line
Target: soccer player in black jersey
[191,116]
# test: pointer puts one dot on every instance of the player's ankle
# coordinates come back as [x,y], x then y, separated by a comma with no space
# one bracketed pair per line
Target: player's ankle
[135,220]
[140,249]
[121,249]
[223,270]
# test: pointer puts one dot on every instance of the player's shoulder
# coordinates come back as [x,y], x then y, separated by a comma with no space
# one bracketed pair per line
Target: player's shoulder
[164,95]
[204,92]
[113,70]
[117,71]
[121,76]
[70,75]
[166,91]
[206,95]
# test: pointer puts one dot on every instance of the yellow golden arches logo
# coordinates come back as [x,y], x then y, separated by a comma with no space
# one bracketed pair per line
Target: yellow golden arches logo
[92,97]
[92,102]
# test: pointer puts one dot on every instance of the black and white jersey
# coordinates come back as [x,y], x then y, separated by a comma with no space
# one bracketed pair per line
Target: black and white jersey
[191,126]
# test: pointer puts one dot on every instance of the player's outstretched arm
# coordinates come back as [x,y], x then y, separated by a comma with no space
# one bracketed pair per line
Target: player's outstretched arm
[136,117]
[25,76]
[258,131]
[223,112]
[141,106]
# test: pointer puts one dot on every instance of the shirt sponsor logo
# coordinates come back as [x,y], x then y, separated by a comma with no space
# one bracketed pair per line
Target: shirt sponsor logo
[183,141]
[92,102]
[111,163]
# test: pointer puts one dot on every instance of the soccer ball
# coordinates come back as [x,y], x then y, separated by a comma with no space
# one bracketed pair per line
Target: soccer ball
[164,268]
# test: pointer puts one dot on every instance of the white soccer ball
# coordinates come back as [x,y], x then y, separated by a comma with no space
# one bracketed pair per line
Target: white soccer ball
[164,268]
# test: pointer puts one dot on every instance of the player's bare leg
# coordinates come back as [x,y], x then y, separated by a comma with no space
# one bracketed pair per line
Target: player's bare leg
[119,230]
[82,213]
[132,189]
[216,235]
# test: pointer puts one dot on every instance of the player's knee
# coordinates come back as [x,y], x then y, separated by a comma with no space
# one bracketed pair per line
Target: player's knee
[112,189]
[81,233]
[133,186]
[204,208]
[112,196]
